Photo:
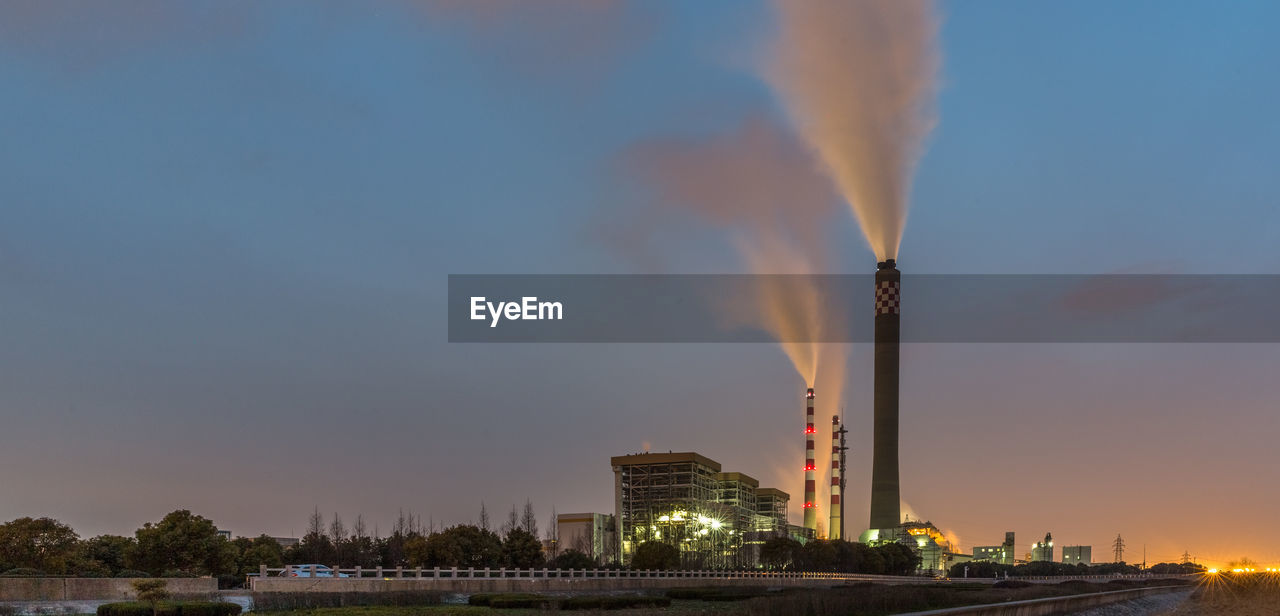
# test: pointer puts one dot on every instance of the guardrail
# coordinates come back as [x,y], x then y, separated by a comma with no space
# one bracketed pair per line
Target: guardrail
[493,573]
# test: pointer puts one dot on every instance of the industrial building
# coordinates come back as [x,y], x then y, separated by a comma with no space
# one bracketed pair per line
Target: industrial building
[1001,554]
[1077,554]
[937,553]
[593,534]
[1042,551]
[715,518]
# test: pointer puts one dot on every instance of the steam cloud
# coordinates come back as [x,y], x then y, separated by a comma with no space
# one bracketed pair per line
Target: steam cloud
[859,80]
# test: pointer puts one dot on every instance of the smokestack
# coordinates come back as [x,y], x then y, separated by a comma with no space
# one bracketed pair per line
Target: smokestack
[810,486]
[886,511]
[834,532]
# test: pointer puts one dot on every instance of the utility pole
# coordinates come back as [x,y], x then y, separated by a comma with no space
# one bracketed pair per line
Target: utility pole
[1186,557]
[844,474]
[1118,546]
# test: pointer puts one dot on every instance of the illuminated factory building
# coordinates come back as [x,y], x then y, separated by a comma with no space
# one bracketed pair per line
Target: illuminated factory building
[1042,551]
[1003,554]
[937,553]
[1077,554]
[714,518]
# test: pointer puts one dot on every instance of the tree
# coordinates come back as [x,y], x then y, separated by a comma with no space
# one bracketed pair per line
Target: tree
[458,546]
[315,547]
[553,535]
[182,542]
[484,517]
[817,556]
[779,552]
[572,559]
[529,519]
[655,555]
[341,546]
[513,521]
[521,550]
[152,592]
[105,553]
[37,543]
[898,559]
[364,551]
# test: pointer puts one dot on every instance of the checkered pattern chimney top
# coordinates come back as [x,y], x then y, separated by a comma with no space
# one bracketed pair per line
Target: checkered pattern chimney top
[887,298]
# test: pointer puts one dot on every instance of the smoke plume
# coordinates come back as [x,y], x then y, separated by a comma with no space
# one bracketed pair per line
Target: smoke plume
[859,80]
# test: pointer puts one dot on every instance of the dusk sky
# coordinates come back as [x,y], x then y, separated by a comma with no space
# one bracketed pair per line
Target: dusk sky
[226,230]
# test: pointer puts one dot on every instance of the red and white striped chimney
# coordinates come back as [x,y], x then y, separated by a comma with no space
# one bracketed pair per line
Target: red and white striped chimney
[833,531]
[810,467]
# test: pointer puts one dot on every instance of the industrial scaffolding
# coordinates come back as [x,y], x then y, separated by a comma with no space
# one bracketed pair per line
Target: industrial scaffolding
[684,500]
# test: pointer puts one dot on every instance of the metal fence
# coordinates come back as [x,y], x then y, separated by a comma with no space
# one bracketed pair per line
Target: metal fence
[447,573]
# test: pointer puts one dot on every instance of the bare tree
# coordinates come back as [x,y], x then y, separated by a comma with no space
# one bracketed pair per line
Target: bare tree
[512,523]
[315,524]
[484,517]
[529,519]
[553,534]
[338,534]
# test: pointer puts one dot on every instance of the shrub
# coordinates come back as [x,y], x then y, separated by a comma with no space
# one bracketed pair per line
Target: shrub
[1011,584]
[132,573]
[180,608]
[286,601]
[481,599]
[8,610]
[23,572]
[514,600]
[737,593]
[613,602]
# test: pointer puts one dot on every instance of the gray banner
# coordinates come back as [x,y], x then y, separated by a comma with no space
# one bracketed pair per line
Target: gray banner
[839,308]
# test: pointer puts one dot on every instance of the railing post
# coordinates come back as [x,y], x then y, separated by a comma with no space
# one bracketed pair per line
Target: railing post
[435,573]
[399,571]
[453,572]
[359,573]
[313,571]
[471,572]
[262,571]
[379,571]
[417,573]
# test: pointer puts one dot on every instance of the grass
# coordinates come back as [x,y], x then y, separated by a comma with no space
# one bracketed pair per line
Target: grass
[1234,594]
[861,599]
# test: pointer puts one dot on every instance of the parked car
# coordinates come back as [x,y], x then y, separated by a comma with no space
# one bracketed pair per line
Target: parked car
[304,571]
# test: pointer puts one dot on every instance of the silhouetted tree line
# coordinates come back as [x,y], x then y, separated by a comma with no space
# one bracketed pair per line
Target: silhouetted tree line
[984,569]
[786,554]
[185,544]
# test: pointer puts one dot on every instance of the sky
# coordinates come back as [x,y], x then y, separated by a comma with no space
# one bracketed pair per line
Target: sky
[226,230]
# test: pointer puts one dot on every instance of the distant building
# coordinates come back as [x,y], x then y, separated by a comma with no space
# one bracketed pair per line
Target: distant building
[225,534]
[593,534]
[1001,554]
[287,542]
[1042,551]
[937,553]
[1077,554]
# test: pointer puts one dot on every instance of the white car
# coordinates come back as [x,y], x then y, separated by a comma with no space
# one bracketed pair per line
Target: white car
[304,571]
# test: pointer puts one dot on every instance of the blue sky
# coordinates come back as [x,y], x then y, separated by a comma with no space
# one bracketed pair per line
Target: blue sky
[225,231]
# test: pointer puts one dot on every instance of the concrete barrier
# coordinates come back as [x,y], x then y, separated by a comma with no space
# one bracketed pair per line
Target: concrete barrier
[1052,605]
[89,589]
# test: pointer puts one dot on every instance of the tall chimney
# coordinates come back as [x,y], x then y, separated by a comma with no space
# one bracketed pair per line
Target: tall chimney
[810,487]
[834,532]
[886,511]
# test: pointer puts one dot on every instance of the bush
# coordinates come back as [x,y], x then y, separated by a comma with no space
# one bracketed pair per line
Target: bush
[287,601]
[521,601]
[23,572]
[226,582]
[174,573]
[1011,584]
[656,556]
[132,573]
[8,610]
[180,608]
[717,593]
[613,602]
